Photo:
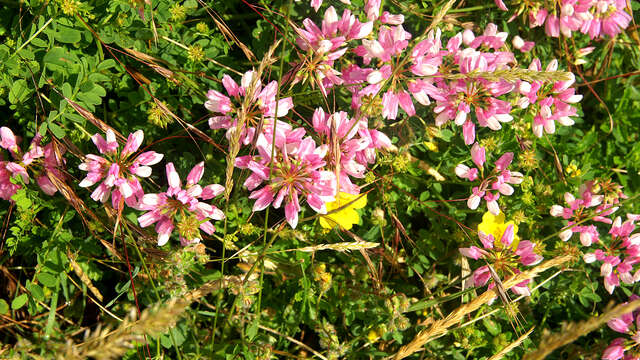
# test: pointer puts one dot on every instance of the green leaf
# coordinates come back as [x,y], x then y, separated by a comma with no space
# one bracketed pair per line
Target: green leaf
[68,35]
[47,279]
[58,56]
[107,64]
[252,330]
[19,91]
[19,301]
[36,291]
[4,307]
[67,91]
[56,130]
[89,98]
[43,129]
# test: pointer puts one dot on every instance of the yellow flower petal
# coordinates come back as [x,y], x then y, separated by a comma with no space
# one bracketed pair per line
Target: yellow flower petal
[346,217]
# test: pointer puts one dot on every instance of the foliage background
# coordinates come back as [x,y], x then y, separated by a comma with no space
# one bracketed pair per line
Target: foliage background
[361,304]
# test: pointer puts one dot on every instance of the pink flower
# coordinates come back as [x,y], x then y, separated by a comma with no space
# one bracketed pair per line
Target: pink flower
[615,350]
[501,5]
[491,184]
[356,145]
[551,102]
[31,161]
[118,170]
[608,17]
[8,141]
[520,44]
[296,172]
[182,207]
[372,8]
[508,252]
[261,103]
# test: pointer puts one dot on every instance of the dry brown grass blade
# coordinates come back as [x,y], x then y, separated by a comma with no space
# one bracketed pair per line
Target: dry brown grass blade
[440,327]
[513,345]
[89,116]
[570,332]
[243,118]
[106,344]
[437,19]
[229,36]
[83,276]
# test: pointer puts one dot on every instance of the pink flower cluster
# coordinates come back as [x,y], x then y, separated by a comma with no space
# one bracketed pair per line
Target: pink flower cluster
[249,104]
[182,207]
[595,18]
[505,254]
[628,324]
[493,183]
[290,165]
[119,173]
[300,169]
[548,102]
[619,252]
[40,160]
[426,71]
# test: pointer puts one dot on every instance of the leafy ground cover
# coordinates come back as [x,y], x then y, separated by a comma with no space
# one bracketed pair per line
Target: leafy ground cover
[294,179]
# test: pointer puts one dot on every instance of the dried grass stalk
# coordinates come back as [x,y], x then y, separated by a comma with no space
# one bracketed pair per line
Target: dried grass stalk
[83,276]
[513,75]
[437,19]
[440,327]
[243,118]
[513,345]
[572,331]
[343,246]
[106,344]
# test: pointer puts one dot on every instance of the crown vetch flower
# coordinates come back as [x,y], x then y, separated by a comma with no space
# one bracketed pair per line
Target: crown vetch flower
[549,102]
[351,145]
[248,105]
[39,159]
[118,170]
[503,250]
[625,324]
[325,45]
[621,254]
[296,172]
[595,18]
[183,208]
[580,209]
[491,184]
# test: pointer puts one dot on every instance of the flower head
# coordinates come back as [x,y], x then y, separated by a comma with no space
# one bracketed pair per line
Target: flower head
[182,207]
[503,250]
[342,211]
[297,171]
[492,184]
[118,170]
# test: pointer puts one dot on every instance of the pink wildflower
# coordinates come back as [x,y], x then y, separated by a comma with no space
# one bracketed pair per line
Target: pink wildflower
[350,141]
[295,173]
[491,184]
[625,324]
[551,102]
[182,207]
[118,170]
[251,102]
[38,159]
[505,255]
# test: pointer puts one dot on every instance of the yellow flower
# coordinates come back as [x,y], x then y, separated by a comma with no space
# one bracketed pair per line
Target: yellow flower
[347,215]
[373,336]
[495,225]
[431,146]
